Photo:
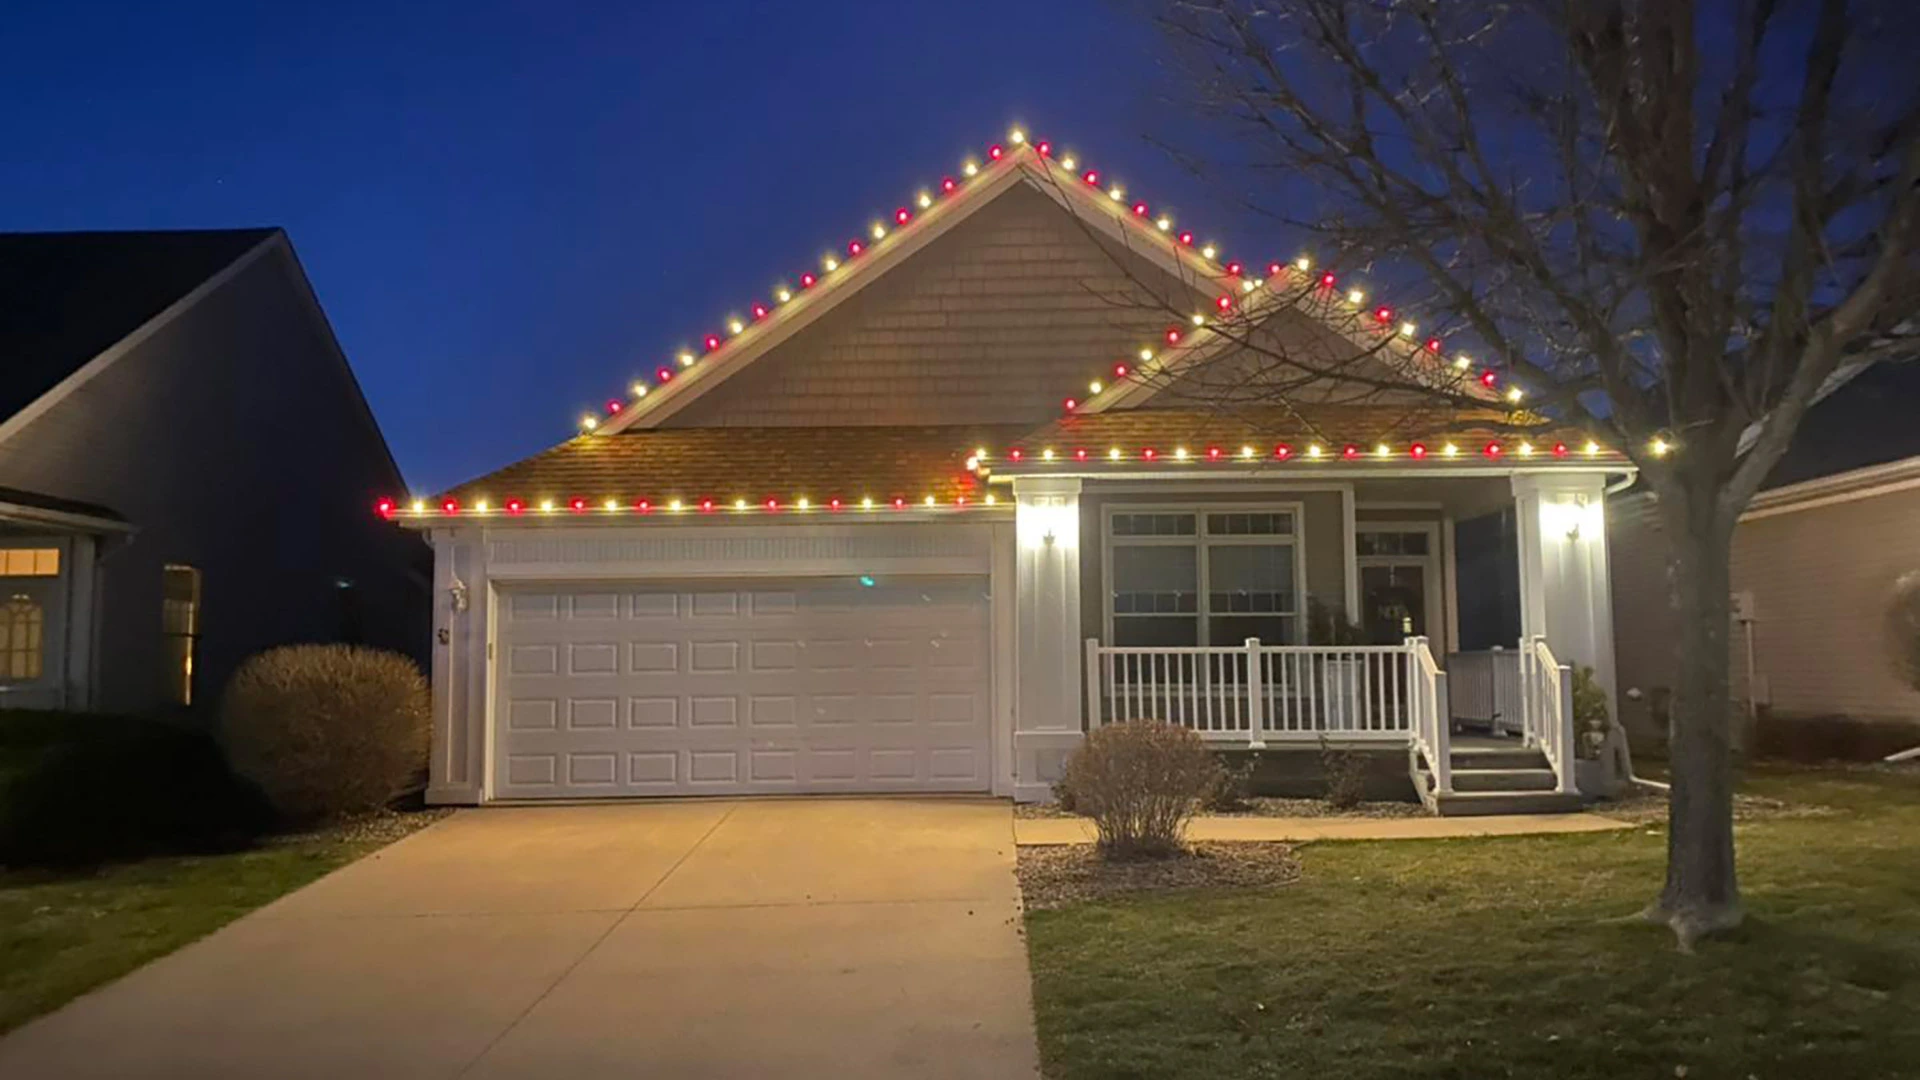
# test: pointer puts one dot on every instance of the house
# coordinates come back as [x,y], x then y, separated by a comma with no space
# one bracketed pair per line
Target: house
[185,462]
[1815,561]
[1006,466]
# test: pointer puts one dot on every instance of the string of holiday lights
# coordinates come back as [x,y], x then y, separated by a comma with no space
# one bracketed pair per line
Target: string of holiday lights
[1203,257]
[982,462]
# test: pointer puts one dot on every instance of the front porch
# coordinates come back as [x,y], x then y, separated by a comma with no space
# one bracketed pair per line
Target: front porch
[1259,697]
[1274,608]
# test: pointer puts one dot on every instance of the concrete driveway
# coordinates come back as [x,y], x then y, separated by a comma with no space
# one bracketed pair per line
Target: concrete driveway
[797,938]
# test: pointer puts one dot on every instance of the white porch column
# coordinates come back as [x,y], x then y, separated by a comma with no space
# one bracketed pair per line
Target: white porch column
[1565,593]
[1047,707]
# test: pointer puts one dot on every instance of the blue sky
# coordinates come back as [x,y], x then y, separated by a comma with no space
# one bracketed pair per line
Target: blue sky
[510,210]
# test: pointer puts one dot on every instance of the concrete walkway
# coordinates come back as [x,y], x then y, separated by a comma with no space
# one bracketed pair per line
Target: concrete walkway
[1037,832]
[806,938]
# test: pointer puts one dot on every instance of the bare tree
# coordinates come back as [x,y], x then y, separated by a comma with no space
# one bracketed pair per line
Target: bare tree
[1673,222]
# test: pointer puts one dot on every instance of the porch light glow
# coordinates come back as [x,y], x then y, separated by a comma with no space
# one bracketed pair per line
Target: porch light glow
[1659,447]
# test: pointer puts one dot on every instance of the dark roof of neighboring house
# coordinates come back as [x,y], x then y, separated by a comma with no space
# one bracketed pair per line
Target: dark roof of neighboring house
[67,297]
[36,501]
[755,464]
[1871,420]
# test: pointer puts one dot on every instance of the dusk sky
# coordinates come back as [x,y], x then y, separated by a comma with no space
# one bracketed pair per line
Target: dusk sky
[510,210]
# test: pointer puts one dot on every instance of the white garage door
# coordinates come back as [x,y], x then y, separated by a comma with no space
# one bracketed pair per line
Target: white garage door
[850,685]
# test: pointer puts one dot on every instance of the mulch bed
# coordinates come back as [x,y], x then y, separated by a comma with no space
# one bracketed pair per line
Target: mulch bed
[1058,875]
[1264,807]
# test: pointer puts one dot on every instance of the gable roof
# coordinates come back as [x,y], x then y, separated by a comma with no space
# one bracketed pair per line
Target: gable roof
[1195,268]
[67,297]
[1869,420]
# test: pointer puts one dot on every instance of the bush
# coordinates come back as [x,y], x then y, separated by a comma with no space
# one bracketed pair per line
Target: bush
[77,788]
[327,730]
[1232,784]
[1140,781]
[1592,722]
[1346,772]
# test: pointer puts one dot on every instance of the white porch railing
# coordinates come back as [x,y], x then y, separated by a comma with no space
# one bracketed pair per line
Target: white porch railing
[1252,693]
[1546,708]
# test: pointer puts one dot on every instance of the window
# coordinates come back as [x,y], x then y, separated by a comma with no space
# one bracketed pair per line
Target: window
[180,625]
[1203,577]
[23,624]
[30,562]
[1381,542]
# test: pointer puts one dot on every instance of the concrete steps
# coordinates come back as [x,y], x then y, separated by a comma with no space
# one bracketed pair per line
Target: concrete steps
[1493,779]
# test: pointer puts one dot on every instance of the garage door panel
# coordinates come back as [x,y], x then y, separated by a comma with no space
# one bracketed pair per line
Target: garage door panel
[817,686]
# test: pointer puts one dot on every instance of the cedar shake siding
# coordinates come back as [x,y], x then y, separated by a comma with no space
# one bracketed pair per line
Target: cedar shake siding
[234,440]
[996,322]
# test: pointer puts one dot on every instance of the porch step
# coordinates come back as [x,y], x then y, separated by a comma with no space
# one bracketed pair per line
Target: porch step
[1482,803]
[1503,779]
[1514,756]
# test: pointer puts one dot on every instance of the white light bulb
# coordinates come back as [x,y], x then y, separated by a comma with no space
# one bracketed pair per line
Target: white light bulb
[1514,393]
[1067,162]
[1383,450]
[1113,454]
[419,506]
[1180,453]
[639,389]
[1116,194]
[1462,362]
[1526,449]
[686,359]
[1199,320]
[925,200]
[739,504]
[1016,137]
[1047,454]
[802,503]
[928,500]
[1313,451]
[1164,223]
[1355,296]
[879,231]
[1208,251]
[1246,451]
[1303,263]
[866,503]
[734,326]
[546,506]
[1146,355]
[1592,448]
[611,505]
[831,264]
[674,504]
[1094,387]
[969,169]
[1407,329]
[782,295]
[1249,285]
[990,499]
[1660,447]
[589,423]
[1450,450]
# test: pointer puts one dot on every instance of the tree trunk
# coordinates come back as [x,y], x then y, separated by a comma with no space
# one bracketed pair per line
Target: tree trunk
[1702,893]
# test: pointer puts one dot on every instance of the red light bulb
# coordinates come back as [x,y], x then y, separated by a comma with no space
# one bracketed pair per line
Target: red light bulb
[613,405]
[1044,149]
[1274,269]
[1173,335]
[1433,344]
[515,506]
[1091,177]
[1186,238]
[902,216]
[1119,371]
[643,506]
[759,311]
[807,280]
[577,504]
[1326,280]
[1014,454]
[664,374]
[1559,449]
[1148,453]
[1419,450]
[706,506]
[1487,379]
[1139,209]
[773,504]
[854,248]
[1225,303]
[833,503]
[1283,451]
[1350,452]
[1383,314]
[996,152]
[1234,269]
[1213,453]
[1070,404]
[384,508]
[1492,450]
[899,503]
[947,184]
[1080,454]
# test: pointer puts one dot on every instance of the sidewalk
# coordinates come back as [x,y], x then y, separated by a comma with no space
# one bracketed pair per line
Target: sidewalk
[1036,832]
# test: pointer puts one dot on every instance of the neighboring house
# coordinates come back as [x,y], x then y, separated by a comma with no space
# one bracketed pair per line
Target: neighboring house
[185,463]
[987,477]
[1815,559]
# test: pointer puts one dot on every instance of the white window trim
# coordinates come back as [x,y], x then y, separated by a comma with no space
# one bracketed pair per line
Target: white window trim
[1200,541]
[1437,616]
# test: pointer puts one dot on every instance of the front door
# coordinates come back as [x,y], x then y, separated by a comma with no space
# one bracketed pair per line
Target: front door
[1399,577]
[1393,602]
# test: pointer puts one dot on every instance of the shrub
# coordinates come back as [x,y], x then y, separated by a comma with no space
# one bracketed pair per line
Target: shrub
[78,788]
[1592,721]
[1346,771]
[1140,781]
[327,730]
[1232,784]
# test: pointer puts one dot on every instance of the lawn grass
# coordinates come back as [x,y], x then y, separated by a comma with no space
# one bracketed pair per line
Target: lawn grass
[1496,957]
[63,933]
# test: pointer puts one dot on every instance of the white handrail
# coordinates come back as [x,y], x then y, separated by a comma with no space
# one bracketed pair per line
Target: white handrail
[1546,704]
[1432,716]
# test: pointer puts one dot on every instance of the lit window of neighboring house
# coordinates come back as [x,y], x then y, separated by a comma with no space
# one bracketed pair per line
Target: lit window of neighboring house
[22,639]
[180,623]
